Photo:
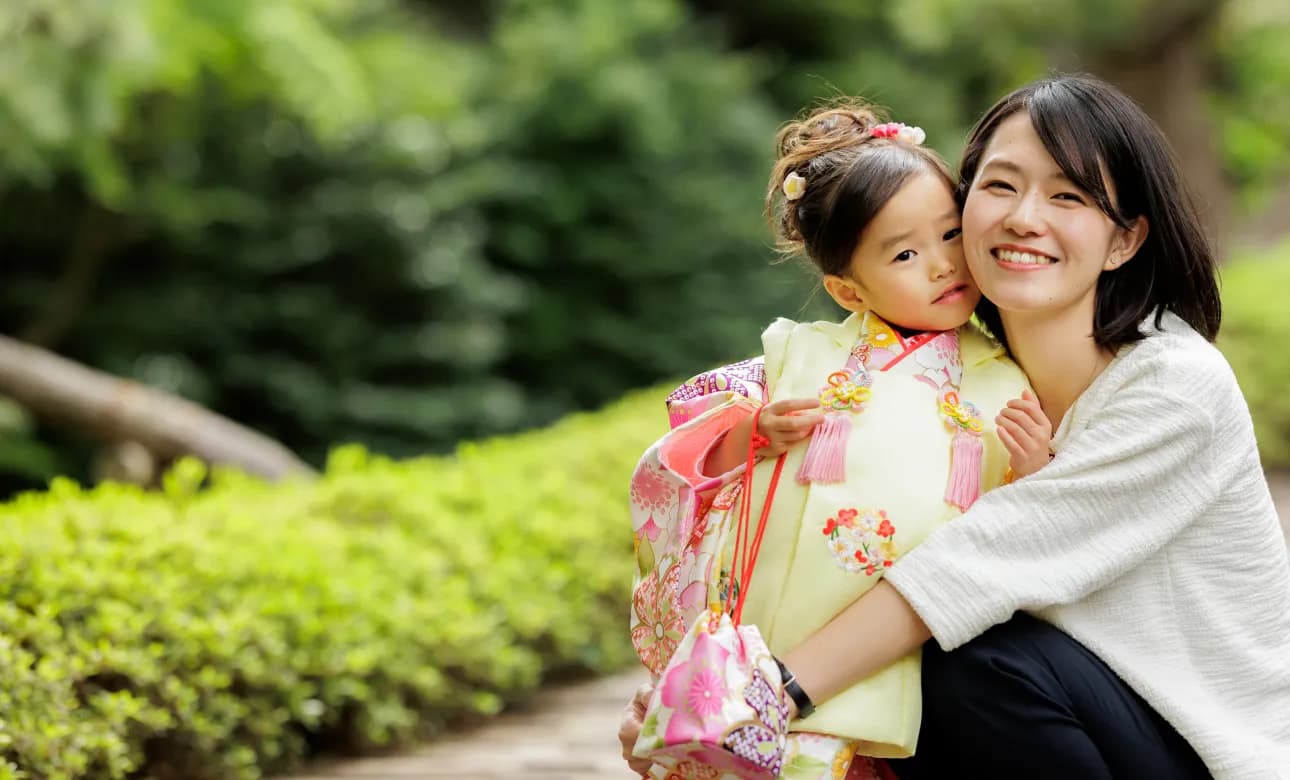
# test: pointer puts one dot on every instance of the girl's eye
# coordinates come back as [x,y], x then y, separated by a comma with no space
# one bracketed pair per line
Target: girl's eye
[908,254]
[1070,196]
[998,184]
[953,234]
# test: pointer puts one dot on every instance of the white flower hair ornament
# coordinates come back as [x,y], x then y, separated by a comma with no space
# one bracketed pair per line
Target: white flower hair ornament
[900,132]
[794,186]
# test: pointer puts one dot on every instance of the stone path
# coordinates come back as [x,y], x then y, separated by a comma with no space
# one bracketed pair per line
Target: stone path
[570,733]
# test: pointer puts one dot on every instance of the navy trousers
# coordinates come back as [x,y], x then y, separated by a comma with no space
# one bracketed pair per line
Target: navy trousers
[1024,700]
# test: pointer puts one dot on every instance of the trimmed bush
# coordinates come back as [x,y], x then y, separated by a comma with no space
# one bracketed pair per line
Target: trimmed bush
[224,628]
[227,630]
[1256,330]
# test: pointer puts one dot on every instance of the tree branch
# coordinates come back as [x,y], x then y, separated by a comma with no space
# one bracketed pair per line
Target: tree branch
[114,409]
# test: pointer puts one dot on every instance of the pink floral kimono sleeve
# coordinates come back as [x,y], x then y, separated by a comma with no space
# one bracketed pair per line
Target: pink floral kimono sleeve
[671,500]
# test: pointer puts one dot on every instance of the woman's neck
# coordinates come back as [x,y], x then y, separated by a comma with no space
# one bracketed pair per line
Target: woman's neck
[1058,355]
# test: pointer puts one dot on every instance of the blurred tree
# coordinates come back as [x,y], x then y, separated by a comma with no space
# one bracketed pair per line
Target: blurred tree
[942,62]
[326,220]
[404,222]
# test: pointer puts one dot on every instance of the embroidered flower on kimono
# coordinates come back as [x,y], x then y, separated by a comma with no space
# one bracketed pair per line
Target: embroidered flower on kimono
[660,626]
[865,542]
[695,692]
[650,489]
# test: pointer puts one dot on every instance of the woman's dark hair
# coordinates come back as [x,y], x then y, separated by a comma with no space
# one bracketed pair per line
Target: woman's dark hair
[1090,127]
[849,176]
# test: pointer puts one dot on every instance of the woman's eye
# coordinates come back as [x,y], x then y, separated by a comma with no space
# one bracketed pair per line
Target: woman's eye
[998,184]
[1070,196]
[908,254]
[953,234]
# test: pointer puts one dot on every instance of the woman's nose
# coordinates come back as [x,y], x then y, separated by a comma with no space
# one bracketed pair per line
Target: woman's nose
[1024,218]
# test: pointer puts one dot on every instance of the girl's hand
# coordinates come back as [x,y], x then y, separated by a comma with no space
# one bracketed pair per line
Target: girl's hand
[630,728]
[785,423]
[1025,432]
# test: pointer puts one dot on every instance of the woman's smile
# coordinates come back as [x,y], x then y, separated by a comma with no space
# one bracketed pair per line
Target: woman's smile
[1029,259]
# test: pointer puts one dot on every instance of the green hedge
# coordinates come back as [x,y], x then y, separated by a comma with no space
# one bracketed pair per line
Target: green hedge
[1255,335]
[223,628]
[227,632]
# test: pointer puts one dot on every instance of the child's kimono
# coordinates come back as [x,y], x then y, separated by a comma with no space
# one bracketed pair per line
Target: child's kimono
[908,442]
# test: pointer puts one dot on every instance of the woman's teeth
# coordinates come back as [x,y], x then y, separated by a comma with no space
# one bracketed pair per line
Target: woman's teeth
[1025,258]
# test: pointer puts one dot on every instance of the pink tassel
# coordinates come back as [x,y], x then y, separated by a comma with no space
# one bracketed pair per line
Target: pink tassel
[826,455]
[964,485]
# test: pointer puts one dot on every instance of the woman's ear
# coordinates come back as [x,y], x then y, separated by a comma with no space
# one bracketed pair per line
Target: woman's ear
[846,292]
[1127,243]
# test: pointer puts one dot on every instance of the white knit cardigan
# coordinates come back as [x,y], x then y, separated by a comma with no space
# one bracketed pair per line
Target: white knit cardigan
[1152,539]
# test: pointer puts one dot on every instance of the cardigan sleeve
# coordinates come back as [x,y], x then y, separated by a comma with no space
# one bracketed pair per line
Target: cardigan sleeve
[1117,492]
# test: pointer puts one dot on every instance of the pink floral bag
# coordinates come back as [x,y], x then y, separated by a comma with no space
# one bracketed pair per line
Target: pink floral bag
[718,710]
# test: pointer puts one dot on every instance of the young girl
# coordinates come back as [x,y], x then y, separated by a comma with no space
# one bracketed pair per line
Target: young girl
[879,416]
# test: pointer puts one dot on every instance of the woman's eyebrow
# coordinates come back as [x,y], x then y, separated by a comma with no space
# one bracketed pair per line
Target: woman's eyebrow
[1007,165]
[1012,167]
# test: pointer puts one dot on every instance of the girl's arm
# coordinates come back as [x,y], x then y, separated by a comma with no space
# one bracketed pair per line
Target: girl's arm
[1117,493]
[783,423]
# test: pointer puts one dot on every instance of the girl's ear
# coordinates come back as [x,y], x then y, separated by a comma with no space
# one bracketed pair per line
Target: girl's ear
[846,292]
[1127,243]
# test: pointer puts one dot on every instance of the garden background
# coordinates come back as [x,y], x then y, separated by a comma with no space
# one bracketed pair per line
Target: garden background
[425,269]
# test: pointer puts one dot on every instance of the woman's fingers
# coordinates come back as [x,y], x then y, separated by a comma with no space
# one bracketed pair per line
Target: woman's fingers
[630,728]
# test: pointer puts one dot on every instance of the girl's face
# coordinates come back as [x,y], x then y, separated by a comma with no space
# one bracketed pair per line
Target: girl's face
[908,265]
[1034,241]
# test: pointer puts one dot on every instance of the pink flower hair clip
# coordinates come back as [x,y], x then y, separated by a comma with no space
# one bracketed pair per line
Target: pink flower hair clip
[898,131]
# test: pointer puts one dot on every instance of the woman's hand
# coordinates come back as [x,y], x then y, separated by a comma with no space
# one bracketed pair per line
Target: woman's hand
[630,728]
[1025,432]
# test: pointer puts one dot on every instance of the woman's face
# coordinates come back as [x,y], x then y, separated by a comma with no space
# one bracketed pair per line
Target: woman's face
[1034,241]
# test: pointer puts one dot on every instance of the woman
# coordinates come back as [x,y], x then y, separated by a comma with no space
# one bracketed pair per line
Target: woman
[1125,611]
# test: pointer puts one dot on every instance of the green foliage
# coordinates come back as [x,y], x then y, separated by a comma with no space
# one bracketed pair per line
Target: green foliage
[333,222]
[228,631]
[1254,104]
[1256,326]
[409,222]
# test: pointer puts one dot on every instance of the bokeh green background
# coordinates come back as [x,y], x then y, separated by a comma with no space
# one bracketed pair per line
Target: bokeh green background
[411,222]
[376,228]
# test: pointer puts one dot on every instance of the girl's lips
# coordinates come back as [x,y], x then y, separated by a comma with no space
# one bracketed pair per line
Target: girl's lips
[955,293]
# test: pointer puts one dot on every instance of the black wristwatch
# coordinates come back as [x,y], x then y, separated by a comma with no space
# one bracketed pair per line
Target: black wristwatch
[794,690]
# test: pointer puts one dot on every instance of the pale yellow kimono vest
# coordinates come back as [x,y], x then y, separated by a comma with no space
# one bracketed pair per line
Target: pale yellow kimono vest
[826,544]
